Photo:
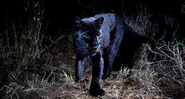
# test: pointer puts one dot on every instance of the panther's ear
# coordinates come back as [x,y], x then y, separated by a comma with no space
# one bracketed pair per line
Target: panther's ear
[77,21]
[99,21]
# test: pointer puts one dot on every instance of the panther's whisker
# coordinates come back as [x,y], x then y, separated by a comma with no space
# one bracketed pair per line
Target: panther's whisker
[78,48]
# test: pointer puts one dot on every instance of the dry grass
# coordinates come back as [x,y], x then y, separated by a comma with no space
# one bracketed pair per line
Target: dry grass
[160,69]
[23,55]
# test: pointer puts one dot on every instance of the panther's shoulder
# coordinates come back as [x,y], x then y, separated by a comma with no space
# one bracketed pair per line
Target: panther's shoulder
[112,24]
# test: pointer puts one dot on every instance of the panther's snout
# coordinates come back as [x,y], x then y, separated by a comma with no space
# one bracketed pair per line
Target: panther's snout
[95,50]
[95,43]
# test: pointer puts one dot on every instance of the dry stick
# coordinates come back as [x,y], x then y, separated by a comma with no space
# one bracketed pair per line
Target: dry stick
[8,41]
[49,45]
[15,34]
[154,51]
[49,75]
[39,25]
[165,54]
[16,44]
[179,60]
[162,52]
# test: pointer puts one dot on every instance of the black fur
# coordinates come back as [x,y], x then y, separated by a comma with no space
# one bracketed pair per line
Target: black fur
[107,40]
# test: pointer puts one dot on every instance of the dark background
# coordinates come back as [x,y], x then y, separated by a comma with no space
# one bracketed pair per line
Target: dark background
[60,14]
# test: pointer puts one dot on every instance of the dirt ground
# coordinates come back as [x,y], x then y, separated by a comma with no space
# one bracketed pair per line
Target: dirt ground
[122,84]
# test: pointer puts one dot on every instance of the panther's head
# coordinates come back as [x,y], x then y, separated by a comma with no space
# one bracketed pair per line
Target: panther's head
[87,34]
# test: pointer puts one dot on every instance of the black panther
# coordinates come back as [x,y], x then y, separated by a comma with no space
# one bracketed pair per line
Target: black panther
[107,40]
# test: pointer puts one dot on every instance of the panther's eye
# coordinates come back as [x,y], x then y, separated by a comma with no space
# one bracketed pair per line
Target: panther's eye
[87,37]
[98,35]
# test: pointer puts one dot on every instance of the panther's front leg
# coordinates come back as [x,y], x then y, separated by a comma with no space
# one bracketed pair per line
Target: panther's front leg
[79,68]
[97,72]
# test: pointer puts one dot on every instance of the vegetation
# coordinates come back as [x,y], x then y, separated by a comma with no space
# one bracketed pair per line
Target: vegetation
[33,62]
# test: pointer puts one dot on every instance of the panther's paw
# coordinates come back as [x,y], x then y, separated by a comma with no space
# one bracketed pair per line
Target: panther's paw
[97,91]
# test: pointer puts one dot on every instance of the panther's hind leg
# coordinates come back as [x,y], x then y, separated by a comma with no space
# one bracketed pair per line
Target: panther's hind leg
[109,56]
